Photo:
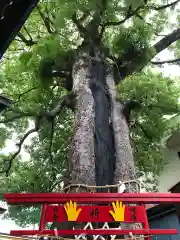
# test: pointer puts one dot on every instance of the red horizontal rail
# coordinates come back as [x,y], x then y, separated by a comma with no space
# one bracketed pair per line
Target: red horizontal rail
[40,198]
[95,232]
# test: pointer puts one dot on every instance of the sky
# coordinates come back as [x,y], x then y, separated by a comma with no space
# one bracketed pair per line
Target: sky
[7,225]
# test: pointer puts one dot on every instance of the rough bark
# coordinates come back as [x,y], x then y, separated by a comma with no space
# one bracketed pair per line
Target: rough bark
[125,167]
[82,159]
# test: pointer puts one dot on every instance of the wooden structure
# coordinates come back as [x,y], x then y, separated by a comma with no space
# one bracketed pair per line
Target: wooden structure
[13,14]
[58,207]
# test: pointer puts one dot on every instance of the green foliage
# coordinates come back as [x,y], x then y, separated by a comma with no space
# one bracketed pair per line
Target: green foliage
[157,96]
[68,7]
[132,41]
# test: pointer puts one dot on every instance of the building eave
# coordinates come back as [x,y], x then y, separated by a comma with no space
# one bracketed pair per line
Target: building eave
[13,15]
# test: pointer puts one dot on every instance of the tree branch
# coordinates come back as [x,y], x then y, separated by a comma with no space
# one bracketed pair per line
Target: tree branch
[25,28]
[16,117]
[167,40]
[162,7]
[19,145]
[131,13]
[28,42]
[136,64]
[133,105]
[46,21]
[128,15]
[51,141]
[24,93]
[64,101]
[166,61]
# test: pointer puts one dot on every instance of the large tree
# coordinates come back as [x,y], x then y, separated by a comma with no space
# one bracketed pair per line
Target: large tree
[79,72]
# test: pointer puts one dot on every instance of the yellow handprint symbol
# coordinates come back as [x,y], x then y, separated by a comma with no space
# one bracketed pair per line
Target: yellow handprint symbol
[118,213]
[72,211]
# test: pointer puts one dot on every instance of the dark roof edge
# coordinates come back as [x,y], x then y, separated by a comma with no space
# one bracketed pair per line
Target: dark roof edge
[160,210]
[17,29]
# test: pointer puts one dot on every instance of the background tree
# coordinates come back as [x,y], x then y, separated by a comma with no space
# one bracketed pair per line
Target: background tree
[61,73]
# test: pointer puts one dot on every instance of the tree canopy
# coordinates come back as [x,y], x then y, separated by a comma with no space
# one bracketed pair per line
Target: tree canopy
[132,33]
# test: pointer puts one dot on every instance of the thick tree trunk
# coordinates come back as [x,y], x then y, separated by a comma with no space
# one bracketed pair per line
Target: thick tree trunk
[101,152]
[92,151]
[82,160]
[125,167]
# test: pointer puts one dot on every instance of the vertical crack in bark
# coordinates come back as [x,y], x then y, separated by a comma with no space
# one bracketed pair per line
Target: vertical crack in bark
[103,135]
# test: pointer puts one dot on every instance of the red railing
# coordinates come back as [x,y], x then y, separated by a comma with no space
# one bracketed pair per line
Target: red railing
[59,198]
[57,213]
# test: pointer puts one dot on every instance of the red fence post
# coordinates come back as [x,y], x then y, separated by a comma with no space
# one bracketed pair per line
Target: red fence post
[43,216]
[146,223]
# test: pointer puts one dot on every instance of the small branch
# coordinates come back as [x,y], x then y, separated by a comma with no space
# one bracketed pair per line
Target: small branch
[25,28]
[5,103]
[51,141]
[28,42]
[24,93]
[129,15]
[160,35]
[35,129]
[16,117]
[20,114]
[46,21]
[162,7]
[48,14]
[166,61]
[64,101]
[67,100]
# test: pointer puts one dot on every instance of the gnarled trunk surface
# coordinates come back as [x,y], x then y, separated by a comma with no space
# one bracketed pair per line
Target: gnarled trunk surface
[101,152]
[82,158]
[125,168]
